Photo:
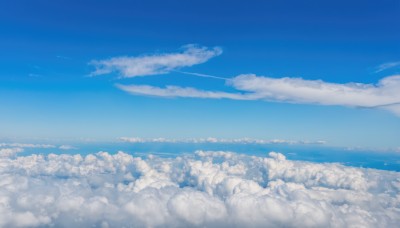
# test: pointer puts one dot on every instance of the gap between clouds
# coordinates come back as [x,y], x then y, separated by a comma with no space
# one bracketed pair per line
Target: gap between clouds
[383,95]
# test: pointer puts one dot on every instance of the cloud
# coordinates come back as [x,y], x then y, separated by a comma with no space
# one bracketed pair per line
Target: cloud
[386,66]
[31,145]
[27,145]
[298,90]
[385,94]
[155,64]
[9,152]
[67,147]
[207,189]
[393,108]
[176,91]
[217,140]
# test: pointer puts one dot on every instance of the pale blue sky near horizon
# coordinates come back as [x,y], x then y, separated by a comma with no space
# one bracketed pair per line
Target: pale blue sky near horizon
[46,48]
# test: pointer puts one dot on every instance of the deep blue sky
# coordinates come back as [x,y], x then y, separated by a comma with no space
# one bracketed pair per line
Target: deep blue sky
[45,47]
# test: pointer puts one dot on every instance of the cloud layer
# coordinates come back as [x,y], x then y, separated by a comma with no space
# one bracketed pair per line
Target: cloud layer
[216,140]
[155,64]
[385,94]
[212,189]
[31,145]
[27,145]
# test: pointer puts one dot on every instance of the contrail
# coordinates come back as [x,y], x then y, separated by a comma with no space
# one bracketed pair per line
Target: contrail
[202,75]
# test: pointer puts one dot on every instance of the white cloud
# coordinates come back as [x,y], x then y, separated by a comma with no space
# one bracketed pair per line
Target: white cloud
[67,147]
[208,189]
[217,140]
[9,152]
[32,145]
[385,94]
[176,91]
[155,64]
[27,145]
[298,90]
[386,66]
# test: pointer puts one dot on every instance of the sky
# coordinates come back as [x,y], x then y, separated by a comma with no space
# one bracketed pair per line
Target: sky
[309,70]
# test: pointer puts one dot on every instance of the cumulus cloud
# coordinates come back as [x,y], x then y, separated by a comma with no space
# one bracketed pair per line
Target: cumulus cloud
[9,152]
[384,95]
[207,189]
[155,64]
[217,140]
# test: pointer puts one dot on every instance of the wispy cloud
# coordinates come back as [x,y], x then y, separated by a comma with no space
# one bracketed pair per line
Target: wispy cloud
[27,145]
[386,66]
[155,64]
[298,90]
[176,91]
[217,140]
[384,94]
[67,147]
[32,145]
[202,75]
[63,57]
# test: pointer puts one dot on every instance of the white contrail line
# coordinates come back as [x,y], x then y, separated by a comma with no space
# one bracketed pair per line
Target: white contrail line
[202,75]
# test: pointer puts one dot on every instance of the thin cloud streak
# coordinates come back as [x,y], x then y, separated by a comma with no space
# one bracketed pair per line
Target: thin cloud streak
[155,64]
[386,66]
[202,75]
[218,140]
[176,91]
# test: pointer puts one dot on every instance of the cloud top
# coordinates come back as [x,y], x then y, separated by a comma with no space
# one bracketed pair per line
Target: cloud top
[207,189]
[146,65]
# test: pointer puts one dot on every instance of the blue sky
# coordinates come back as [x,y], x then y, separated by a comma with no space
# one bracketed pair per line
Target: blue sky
[48,49]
